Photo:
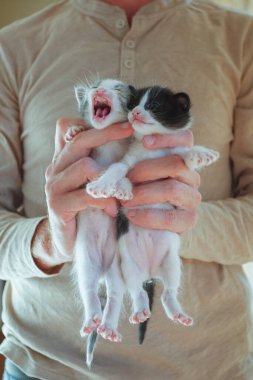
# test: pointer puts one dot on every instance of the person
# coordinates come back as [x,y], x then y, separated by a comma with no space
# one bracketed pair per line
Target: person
[191,46]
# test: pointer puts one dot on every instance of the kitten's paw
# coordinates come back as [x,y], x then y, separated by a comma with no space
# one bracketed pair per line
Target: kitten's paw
[198,158]
[72,132]
[123,190]
[90,325]
[140,316]
[108,333]
[99,189]
[183,319]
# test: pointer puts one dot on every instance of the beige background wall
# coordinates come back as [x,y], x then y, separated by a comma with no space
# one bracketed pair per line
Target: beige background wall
[11,10]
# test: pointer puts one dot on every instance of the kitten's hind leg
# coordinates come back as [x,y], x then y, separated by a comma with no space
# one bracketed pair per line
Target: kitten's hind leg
[115,290]
[88,275]
[134,279]
[170,273]
[92,306]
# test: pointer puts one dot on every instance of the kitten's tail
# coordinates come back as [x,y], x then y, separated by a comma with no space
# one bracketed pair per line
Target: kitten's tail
[93,336]
[149,286]
[90,347]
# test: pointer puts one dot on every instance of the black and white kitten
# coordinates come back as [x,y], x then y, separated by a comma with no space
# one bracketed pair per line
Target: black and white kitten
[100,105]
[146,253]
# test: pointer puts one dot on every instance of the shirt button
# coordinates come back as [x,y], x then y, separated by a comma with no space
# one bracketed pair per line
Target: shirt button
[120,23]
[130,44]
[129,63]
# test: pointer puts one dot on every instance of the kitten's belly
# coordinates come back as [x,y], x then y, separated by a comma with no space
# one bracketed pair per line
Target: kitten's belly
[148,248]
[96,232]
[110,152]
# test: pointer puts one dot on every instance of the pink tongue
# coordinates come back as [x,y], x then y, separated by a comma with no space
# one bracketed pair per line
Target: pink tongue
[102,112]
[105,111]
[99,112]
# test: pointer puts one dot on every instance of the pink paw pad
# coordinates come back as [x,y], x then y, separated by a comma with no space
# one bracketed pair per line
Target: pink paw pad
[72,132]
[183,320]
[140,317]
[90,325]
[109,334]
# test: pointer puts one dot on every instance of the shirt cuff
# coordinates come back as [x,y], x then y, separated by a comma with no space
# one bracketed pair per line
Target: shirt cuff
[17,260]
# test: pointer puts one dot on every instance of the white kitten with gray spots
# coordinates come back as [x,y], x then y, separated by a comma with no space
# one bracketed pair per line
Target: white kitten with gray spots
[147,253]
[95,258]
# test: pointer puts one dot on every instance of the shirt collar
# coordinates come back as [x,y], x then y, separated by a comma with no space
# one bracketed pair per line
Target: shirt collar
[101,9]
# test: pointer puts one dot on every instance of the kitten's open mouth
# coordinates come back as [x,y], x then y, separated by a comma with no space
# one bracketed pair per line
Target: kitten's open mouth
[101,107]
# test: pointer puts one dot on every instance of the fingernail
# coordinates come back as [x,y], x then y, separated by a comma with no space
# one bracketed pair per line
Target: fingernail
[131,213]
[149,140]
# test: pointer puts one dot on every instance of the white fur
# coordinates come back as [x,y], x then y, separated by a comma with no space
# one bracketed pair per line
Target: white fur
[95,258]
[147,253]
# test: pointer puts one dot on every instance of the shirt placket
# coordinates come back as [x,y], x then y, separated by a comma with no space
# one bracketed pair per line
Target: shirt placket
[128,52]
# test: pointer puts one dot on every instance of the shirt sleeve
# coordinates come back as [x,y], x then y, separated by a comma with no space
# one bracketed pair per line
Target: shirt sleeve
[224,229]
[16,231]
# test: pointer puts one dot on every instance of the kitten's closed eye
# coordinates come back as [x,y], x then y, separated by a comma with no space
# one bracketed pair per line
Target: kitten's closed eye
[118,88]
[152,106]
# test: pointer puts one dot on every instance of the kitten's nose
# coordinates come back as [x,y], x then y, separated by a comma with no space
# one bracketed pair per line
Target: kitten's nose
[137,115]
[136,111]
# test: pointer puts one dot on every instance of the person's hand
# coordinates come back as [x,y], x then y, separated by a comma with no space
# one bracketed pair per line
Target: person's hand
[163,180]
[66,177]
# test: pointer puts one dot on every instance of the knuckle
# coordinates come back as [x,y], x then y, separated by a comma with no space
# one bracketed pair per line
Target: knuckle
[51,199]
[198,197]
[47,188]
[175,163]
[49,171]
[51,186]
[140,192]
[197,179]
[171,187]
[62,123]
[87,162]
[89,167]
[170,217]
[192,218]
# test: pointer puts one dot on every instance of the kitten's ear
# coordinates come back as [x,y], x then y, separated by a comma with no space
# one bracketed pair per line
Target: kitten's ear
[183,101]
[132,89]
[80,93]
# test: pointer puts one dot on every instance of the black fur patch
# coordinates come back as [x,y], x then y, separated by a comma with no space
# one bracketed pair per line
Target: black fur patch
[149,286]
[122,224]
[171,110]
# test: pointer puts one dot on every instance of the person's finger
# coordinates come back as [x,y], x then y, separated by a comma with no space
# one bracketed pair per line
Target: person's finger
[79,200]
[171,140]
[174,220]
[171,191]
[74,176]
[81,145]
[164,167]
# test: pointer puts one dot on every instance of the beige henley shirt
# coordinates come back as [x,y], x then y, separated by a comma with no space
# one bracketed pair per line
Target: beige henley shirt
[188,46]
